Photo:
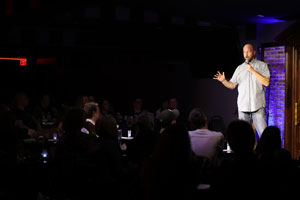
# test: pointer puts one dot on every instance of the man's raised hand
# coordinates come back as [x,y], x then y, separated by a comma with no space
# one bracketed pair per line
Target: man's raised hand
[220,77]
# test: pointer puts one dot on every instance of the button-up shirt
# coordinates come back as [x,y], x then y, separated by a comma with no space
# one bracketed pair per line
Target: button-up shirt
[251,93]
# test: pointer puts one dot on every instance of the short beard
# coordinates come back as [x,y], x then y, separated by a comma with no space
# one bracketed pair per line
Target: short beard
[252,57]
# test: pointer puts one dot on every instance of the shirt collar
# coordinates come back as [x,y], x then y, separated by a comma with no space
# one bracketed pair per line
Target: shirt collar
[89,120]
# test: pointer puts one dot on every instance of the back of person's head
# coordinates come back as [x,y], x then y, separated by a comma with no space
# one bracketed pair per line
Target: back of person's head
[106,127]
[144,123]
[171,171]
[167,117]
[197,118]
[90,108]
[240,136]
[270,140]
[173,143]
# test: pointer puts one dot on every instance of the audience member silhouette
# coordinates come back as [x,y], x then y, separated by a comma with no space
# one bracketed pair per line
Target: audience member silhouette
[166,119]
[168,174]
[106,128]
[237,173]
[143,143]
[269,143]
[106,108]
[205,143]
[112,168]
[164,106]
[137,110]
[276,167]
[26,124]
[76,166]
[173,103]
[92,114]
[45,113]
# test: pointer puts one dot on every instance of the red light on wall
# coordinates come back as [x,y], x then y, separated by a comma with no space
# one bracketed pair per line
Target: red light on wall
[23,62]
[50,60]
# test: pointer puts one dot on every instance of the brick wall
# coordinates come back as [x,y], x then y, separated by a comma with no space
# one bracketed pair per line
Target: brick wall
[275,95]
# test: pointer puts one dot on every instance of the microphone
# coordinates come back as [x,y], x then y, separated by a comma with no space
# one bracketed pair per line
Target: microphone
[247,62]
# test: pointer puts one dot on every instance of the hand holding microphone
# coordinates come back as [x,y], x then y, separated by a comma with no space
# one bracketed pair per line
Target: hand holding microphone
[248,66]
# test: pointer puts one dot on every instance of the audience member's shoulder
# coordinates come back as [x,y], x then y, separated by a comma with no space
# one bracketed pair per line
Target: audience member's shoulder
[283,154]
[217,133]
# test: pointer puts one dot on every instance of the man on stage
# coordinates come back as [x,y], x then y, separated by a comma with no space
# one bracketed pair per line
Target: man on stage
[252,77]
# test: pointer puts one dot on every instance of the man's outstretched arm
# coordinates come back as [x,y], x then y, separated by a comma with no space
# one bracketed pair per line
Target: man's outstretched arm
[221,77]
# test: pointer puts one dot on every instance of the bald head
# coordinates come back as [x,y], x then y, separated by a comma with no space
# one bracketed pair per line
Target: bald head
[248,51]
[248,46]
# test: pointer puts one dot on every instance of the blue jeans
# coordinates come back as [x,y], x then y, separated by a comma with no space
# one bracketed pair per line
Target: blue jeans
[258,117]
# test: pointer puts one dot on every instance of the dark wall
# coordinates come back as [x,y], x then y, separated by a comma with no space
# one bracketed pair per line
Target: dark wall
[119,61]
